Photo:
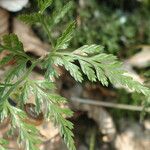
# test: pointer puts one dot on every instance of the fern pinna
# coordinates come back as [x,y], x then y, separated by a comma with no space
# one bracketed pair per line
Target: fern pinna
[93,63]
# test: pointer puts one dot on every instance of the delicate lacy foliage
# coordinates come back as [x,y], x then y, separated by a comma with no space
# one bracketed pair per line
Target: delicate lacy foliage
[91,60]
[63,41]
[50,21]
[102,67]
[43,4]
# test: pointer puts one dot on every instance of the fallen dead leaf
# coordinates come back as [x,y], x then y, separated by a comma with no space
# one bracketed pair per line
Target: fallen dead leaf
[141,59]
[4,22]
[132,138]
[55,144]
[48,131]
[30,41]
[101,117]
[4,126]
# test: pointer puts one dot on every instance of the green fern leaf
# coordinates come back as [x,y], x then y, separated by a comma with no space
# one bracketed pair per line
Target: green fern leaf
[31,18]
[55,98]
[73,69]
[12,43]
[106,67]
[58,15]
[26,91]
[16,71]
[56,113]
[89,49]
[27,133]
[43,4]
[50,70]
[6,59]
[88,70]
[45,84]
[101,75]
[63,41]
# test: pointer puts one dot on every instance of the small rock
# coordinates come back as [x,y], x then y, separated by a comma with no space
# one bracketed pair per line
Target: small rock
[133,138]
[147,124]
[82,147]
[13,5]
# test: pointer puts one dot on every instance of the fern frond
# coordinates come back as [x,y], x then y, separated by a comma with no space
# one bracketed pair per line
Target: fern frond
[17,71]
[31,18]
[26,91]
[56,114]
[58,15]
[88,70]
[89,49]
[50,70]
[63,41]
[27,133]
[72,68]
[47,22]
[53,111]
[12,43]
[103,67]
[88,60]
[43,4]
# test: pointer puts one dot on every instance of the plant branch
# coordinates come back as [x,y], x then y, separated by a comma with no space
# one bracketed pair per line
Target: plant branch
[108,104]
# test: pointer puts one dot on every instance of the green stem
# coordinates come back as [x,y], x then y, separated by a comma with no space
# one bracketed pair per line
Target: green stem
[45,26]
[92,139]
[3,84]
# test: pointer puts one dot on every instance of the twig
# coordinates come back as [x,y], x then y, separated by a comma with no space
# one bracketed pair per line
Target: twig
[109,104]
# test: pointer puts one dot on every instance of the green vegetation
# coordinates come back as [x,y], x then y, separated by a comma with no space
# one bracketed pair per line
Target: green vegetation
[93,62]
